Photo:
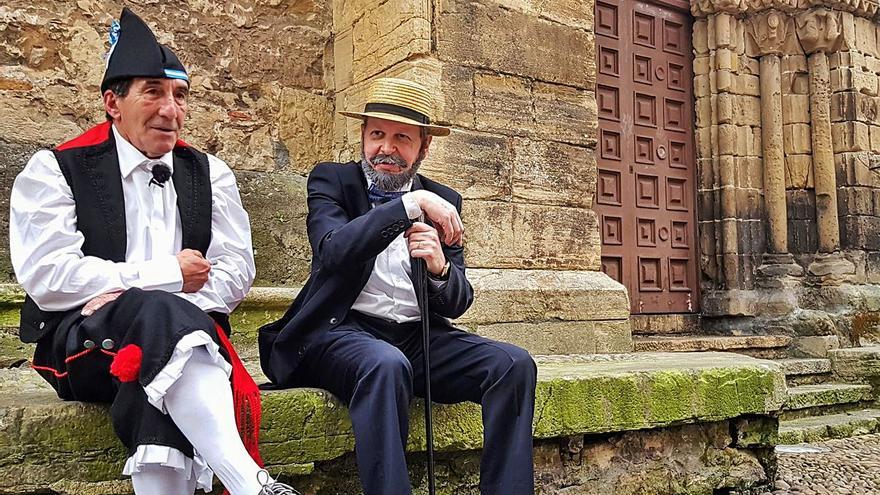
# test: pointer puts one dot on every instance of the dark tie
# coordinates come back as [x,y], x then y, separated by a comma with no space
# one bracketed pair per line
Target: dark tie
[379,196]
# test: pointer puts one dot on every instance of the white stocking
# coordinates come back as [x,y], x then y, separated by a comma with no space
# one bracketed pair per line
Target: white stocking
[154,479]
[200,403]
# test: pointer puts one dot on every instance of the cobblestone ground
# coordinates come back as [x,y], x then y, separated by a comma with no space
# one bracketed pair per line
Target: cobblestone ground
[847,466]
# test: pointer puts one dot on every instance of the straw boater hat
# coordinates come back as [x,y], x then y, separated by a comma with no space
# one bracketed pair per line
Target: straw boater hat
[402,101]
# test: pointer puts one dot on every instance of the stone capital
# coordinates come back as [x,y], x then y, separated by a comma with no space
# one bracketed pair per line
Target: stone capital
[819,30]
[703,8]
[772,33]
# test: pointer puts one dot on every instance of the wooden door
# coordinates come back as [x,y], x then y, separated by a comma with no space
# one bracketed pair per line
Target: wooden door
[645,195]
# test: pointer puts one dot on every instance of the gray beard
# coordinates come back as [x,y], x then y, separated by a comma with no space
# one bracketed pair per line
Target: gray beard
[386,181]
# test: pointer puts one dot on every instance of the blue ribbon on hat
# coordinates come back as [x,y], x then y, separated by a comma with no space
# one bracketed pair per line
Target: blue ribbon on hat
[380,196]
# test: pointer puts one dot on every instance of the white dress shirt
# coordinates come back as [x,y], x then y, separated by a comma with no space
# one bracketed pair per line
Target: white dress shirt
[45,245]
[389,293]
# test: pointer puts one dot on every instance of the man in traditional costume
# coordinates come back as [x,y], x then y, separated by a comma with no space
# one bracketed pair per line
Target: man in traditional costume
[133,247]
[354,329]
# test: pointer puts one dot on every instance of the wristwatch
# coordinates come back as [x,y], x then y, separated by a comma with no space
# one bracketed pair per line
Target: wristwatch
[444,273]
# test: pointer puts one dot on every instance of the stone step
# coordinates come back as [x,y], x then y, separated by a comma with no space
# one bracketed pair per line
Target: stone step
[826,394]
[762,346]
[52,445]
[805,371]
[817,428]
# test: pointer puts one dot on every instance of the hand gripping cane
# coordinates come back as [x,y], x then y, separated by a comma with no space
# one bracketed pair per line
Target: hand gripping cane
[420,275]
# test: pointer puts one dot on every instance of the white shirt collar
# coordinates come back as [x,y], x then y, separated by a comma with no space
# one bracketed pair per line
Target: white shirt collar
[130,157]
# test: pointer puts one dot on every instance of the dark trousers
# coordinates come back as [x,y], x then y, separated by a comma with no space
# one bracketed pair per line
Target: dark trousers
[376,367]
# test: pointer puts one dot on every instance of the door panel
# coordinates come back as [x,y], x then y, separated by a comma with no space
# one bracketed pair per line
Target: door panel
[645,194]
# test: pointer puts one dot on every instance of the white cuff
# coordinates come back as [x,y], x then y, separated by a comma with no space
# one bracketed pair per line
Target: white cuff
[412,207]
[161,273]
[148,456]
[157,388]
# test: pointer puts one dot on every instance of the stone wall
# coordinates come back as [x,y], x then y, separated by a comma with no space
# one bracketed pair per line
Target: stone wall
[787,142]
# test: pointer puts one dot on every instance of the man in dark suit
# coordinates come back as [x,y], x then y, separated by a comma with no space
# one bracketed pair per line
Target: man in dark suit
[354,329]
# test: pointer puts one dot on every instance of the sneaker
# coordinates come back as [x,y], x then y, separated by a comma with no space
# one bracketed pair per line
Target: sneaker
[273,487]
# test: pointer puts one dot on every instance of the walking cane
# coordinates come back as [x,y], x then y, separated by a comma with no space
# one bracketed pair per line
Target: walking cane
[420,274]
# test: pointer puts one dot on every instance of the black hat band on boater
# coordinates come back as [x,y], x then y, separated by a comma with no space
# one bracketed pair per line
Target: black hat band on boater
[137,53]
[397,110]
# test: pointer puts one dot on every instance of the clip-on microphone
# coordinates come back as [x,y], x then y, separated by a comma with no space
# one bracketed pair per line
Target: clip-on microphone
[161,174]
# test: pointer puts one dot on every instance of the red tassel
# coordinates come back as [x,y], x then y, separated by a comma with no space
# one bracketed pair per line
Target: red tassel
[127,364]
[246,396]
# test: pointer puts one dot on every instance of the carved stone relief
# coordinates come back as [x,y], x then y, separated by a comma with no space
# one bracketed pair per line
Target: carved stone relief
[819,30]
[771,33]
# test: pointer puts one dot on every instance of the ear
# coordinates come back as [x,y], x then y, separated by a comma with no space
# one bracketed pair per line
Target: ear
[111,104]
[425,146]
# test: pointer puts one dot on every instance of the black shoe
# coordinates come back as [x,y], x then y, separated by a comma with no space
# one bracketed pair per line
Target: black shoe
[273,487]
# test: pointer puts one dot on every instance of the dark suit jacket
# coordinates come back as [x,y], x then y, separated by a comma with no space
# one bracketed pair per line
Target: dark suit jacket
[346,234]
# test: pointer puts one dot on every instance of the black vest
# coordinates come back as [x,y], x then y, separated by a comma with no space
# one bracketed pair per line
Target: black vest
[92,172]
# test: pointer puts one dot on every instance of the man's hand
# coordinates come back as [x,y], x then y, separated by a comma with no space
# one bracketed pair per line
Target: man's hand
[424,243]
[444,216]
[195,269]
[98,301]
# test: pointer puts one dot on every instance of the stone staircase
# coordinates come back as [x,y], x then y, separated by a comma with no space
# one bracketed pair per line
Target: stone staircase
[827,397]
[819,406]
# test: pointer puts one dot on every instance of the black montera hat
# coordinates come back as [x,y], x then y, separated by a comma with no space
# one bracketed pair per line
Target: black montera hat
[137,53]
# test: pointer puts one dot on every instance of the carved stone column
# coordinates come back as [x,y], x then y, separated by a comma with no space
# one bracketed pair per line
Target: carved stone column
[773,35]
[819,34]
[769,30]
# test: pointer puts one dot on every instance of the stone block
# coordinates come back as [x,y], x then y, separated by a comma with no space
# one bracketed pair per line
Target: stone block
[859,364]
[277,207]
[515,106]
[343,59]
[702,86]
[704,112]
[860,232]
[457,100]
[509,296]
[502,103]
[481,34]
[855,201]
[390,33]
[305,127]
[853,169]
[561,338]
[739,110]
[565,114]
[796,83]
[510,235]
[749,204]
[702,65]
[703,138]
[477,165]
[793,63]
[866,37]
[347,12]
[850,136]
[727,141]
[797,139]
[572,13]
[795,109]
[701,37]
[798,171]
[550,173]
[748,85]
